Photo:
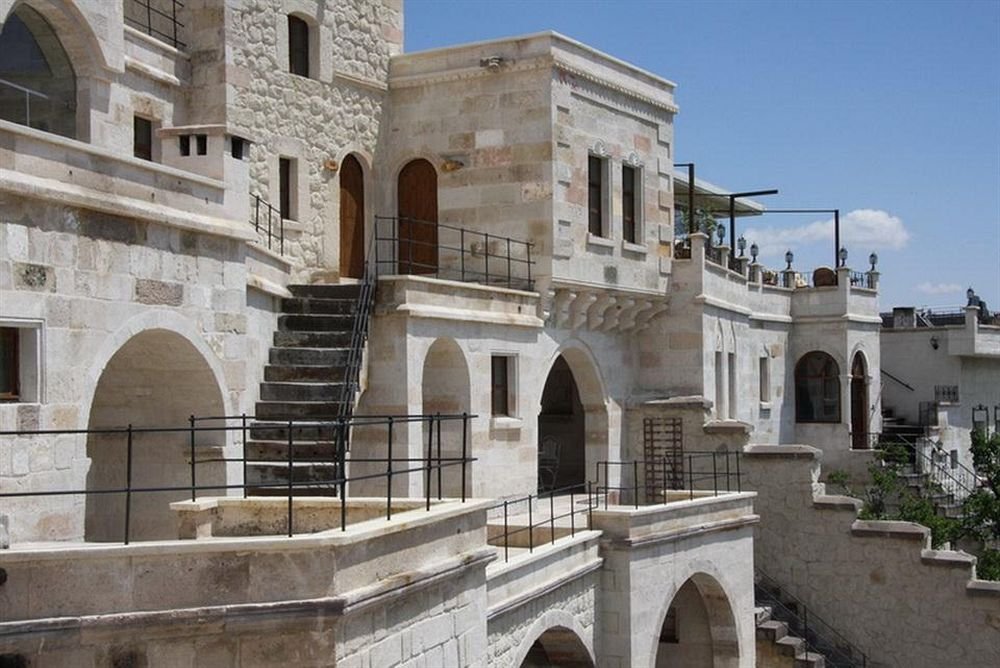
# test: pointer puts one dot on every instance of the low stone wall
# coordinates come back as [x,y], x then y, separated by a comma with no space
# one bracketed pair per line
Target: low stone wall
[877,583]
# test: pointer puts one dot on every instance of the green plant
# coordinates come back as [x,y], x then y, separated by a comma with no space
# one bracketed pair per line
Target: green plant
[841,479]
[982,508]
[988,565]
[915,508]
[885,482]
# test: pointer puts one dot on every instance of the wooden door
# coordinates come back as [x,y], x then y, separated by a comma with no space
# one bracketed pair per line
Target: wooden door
[352,218]
[859,405]
[418,217]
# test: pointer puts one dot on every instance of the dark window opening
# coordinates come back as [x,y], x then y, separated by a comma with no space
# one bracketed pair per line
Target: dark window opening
[201,141]
[817,389]
[628,204]
[500,385]
[184,144]
[595,195]
[238,146]
[10,373]
[298,46]
[142,138]
[285,187]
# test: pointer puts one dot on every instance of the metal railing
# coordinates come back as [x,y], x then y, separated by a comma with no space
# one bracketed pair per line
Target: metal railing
[946,393]
[817,636]
[862,279]
[718,472]
[157,18]
[431,465]
[268,222]
[713,254]
[359,336]
[898,380]
[951,480]
[538,521]
[682,249]
[411,246]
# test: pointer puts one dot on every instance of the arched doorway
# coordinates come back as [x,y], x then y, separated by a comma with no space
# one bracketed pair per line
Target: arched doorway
[562,431]
[698,629]
[557,647]
[817,388]
[41,83]
[418,217]
[156,379]
[352,218]
[859,404]
[446,390]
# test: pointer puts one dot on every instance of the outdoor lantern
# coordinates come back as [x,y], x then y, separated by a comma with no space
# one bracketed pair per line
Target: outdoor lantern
[873,260]
[843,256]
[741,243]
[720,232]
[754,250]
[970,294]
[788,258]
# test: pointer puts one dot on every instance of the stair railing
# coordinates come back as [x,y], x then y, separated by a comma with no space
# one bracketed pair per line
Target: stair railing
[359,334]
[901,382]
[959,482]
[819,637]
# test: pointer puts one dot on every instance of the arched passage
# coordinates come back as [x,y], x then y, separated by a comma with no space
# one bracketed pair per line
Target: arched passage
[155,379]
[557,647]
[859,403]
[817,388]
[418,216]
[698,628]
[352,218]
[445,389]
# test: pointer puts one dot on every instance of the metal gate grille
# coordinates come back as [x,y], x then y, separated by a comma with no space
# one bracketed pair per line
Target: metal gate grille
[663,454]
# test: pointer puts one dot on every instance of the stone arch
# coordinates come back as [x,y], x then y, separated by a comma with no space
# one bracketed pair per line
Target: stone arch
[150,376]
[73,26]
[817,386]
[417,211]
[353,181]
[589,386]
[858,404]
[445,388]
[697,627]
[558,634]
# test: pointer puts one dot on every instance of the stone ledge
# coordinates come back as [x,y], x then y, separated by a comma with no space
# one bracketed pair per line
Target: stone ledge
[890,529]
[983,588]
[837,502]
[783,451]
[947,558]
[727,427]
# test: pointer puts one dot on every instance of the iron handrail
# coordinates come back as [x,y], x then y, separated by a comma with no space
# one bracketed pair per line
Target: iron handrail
[901,382]
[469,253]
[927,464]
[722,471]
[143,19]
[359,334]
[272,213]
[816,634]
[572,490]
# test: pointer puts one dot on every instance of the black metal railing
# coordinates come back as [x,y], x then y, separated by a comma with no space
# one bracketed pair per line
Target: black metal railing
[269,223]
[157,18]
[359,336]
[531,534]
[817,636]
[713,254]
[952,482]
[411,246]
[682,249]
[946,393]
[862,279]
[430,465]
[736,264]
[896,379]
[640,480]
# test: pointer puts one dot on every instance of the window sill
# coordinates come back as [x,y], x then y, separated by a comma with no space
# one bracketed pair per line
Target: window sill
[505,422]
[630,247]
[604,242]
[765,405]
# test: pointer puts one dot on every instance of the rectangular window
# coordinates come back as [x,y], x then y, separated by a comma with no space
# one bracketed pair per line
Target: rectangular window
[595,195]
[500,384]
[237,147]
[732,386]
[630,204]
[10,373]
[201,142]
[184,144]
[298,46]
[764,378]
[142,138]
[286,188]
[719,388]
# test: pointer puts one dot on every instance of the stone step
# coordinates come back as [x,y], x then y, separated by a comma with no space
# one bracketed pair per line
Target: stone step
[772,630]
[292,373]
[271,474]
[285,410]
[326,291]
[299,391]
[315,323]
[278,432]
[312,339]
[789,645]
[312,451]
[810,660]
[314,306]
[278,490]
[308,356]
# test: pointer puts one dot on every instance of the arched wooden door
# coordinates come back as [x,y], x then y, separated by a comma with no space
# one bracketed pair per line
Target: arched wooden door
[859,404]
[352,218]
[418,217]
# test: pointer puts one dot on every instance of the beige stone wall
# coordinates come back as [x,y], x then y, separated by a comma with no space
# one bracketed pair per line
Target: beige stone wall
[877,583]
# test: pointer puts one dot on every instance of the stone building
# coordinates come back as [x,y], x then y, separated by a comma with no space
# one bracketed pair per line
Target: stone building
[200,204]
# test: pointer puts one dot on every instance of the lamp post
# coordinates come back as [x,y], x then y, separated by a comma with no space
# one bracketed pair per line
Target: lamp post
[789,257]
[873,260]
[741,243]
[842,255]
[754,250]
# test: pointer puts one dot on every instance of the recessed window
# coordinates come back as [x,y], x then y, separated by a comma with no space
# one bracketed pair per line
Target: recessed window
[500,385]
[596,189]
[142,138]
[631,180]
[287,188]
[19,363]
[201,142]
[764,379]
[298,46]
[720,390]
[10,372]
[817,388]
[732,385]
[184,145]
[237,146]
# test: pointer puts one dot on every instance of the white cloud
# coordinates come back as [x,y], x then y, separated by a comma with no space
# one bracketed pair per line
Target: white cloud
[867,229]
[939,288]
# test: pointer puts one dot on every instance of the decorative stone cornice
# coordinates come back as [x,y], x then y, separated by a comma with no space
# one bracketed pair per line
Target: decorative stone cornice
[594,78]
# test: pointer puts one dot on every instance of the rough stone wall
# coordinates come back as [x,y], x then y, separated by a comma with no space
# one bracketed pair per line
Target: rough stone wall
[88,282]
[877,583]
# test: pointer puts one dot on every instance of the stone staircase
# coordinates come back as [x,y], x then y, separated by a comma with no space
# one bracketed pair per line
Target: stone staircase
[776,647]
[303,382]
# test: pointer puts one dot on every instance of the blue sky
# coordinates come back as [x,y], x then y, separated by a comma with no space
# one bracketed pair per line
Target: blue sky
[889,111]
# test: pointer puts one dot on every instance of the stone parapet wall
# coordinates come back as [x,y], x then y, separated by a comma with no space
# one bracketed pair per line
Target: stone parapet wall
[877,583]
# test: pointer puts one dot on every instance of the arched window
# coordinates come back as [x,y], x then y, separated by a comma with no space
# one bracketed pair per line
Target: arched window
[37,80]
[298,46]
[817,388]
